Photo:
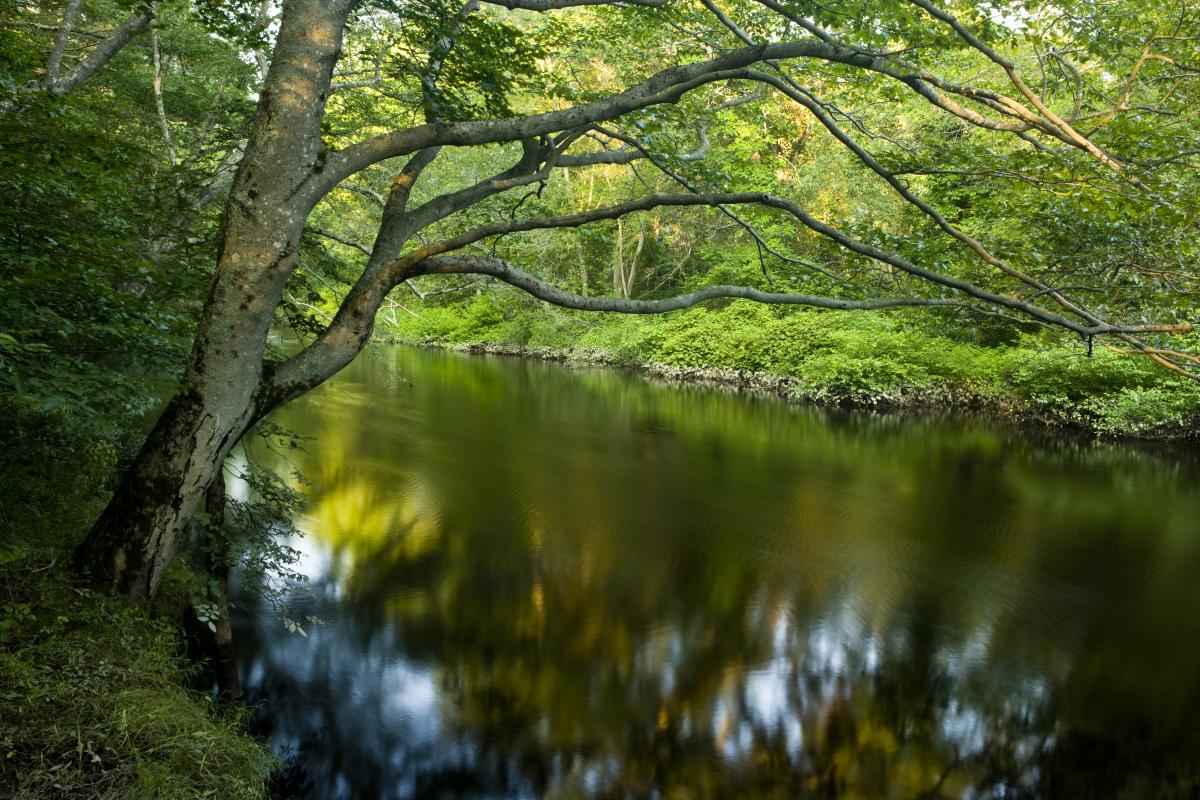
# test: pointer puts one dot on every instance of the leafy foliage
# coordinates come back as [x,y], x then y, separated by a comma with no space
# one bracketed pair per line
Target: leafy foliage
[108,238]
[104,252]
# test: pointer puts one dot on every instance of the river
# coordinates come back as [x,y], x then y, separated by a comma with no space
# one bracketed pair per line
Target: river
[540,582]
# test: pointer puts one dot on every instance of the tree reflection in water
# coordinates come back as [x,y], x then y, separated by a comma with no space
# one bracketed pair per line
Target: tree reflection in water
[542,583]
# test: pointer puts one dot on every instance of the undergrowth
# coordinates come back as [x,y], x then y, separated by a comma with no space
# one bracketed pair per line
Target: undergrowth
[93,691]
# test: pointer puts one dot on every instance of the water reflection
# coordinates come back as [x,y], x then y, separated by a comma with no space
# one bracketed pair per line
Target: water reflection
[540,583]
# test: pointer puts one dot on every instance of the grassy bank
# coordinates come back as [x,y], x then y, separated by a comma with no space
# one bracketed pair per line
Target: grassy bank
[855,359]
[93,691]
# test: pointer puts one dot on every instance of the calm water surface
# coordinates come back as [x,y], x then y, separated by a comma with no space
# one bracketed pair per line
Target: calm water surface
[544,583]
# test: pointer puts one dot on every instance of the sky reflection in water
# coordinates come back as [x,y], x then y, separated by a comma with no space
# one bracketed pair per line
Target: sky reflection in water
[544,583]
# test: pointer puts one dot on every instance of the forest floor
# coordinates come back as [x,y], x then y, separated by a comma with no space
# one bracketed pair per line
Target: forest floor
[98,696]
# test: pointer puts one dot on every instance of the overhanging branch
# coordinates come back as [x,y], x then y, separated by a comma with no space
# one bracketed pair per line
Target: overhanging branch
[409,265]
[667,86]
[503,271]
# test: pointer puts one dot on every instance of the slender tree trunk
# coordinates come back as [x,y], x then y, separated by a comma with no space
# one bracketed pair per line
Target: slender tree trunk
[138,535]
[618,277]
[159,107]
[218,564]
[631,271]
[54,62]
[579,256]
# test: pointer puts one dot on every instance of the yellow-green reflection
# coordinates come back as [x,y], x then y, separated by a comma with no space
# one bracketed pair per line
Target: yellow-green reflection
[576,584]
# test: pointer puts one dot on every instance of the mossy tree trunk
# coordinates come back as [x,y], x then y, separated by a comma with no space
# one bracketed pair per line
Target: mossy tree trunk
[142,529]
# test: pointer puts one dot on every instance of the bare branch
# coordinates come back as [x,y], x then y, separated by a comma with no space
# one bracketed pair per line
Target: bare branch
[102,53]
[365,191]
[502,270]
[328,234]
[742,99]
[343,86]
[54,62]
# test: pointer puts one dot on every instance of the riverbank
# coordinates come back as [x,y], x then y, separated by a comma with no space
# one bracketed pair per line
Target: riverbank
[864,361]
[786,387]
[96,693]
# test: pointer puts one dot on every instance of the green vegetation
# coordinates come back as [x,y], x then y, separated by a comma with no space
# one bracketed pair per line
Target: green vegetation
[103,266]
[95,690]
[94,706]
[165,217]
[850,359]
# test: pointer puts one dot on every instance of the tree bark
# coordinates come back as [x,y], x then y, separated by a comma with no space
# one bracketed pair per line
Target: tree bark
[140,532]
[54,62]
[57,84]
[159,107]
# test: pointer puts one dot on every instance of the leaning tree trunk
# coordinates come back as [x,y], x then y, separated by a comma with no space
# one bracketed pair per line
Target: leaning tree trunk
[138,535]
